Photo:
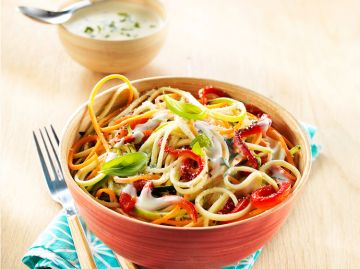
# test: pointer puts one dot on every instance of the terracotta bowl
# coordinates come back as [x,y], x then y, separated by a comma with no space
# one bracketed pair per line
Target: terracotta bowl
[155,246]
[115,56]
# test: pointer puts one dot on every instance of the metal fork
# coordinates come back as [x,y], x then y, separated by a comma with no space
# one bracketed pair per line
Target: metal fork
[60,193]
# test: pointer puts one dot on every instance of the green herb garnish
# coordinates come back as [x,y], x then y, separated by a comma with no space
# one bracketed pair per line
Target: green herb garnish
[137,24]
[112,24]
[98,28]
[127,165]
[199,142]
[88,30]
[202,139]
[124,16]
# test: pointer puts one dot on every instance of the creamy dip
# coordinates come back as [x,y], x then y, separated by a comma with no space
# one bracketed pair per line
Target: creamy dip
[114,20]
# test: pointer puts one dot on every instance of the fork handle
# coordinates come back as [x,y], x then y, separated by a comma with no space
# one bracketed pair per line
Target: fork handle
[83,251]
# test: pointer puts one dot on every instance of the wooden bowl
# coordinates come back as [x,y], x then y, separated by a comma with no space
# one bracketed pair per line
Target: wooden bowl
[116,56]
[155,246]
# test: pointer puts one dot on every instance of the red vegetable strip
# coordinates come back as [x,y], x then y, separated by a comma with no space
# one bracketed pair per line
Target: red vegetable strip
[187,170]
[266,197]
[242,204]
[189,207]
[254,110]
[254,129]
[210,90]
[240,144]
[127,202]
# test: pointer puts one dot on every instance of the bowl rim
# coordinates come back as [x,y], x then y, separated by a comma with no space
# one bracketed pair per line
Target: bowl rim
[164,25]
[304,176]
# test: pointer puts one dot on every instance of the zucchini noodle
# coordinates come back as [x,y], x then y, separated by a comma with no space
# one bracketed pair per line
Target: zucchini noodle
[171,158]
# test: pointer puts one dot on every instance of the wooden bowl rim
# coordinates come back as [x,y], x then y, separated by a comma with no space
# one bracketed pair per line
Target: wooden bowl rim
[163,28]
[304,177]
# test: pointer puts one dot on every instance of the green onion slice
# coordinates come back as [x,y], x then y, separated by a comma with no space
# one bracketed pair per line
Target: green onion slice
[185,110]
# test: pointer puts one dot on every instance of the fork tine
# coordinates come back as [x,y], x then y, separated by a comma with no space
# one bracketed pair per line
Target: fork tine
[48,154]
[54,133]
[43,164]
[59,172]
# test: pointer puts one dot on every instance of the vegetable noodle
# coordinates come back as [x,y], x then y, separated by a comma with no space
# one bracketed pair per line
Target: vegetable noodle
[170,158]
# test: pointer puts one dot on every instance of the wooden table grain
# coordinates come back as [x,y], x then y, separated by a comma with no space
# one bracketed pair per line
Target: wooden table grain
[303,54]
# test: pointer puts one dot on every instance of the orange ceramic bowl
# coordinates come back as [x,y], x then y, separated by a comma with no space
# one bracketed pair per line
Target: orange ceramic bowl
[155,246]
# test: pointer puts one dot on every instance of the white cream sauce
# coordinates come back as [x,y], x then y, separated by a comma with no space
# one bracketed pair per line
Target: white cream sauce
[114,20]
[147,202]
[215,151]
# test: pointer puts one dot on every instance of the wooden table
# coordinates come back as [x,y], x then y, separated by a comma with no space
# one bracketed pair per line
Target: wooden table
[303,54]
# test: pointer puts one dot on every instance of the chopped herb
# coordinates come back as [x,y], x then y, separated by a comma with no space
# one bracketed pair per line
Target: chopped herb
[126,29]
[152,26]
[123,14]
[88,30]
[112,24]
[98,28]
[137,24]
[128,35]
[107,36]
[203,141]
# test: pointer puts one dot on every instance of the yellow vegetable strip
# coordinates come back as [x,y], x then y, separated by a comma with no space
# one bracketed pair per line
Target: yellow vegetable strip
[135,178]
[169,215]
[128,120]
[91,104]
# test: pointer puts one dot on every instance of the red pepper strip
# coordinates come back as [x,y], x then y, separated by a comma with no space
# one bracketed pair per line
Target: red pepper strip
[260,126]
[187,171]
[229,206]
[255,128]
[189,207]
[284,173]
[266,197]
[240,144]
[210,90]
[254,110]
[127,202]
[242,204]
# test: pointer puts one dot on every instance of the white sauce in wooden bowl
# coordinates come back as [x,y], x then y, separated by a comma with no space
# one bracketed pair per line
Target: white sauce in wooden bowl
[114,20]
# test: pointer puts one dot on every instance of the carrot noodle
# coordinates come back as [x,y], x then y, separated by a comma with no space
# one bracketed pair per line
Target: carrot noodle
[276,135]
[171,214]
[109,192]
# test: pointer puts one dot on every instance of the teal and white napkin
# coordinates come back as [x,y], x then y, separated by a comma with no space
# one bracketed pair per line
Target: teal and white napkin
[55,248]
